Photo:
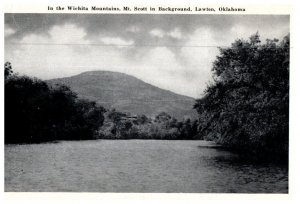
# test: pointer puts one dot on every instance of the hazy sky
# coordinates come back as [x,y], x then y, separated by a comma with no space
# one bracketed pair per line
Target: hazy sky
[173,52]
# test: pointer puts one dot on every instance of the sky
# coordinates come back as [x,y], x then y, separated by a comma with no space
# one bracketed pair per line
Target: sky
[173,52]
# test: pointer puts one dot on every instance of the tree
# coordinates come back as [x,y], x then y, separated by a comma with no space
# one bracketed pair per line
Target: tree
[35,112]
[246,107]
[162,117]
[7,70]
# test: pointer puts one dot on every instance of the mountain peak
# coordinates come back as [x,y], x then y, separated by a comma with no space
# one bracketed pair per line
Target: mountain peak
[128,94]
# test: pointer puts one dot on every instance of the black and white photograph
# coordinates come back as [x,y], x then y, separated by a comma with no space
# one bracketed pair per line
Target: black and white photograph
[146,103]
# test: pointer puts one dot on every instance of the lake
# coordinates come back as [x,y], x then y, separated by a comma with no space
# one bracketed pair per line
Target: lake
[136,166]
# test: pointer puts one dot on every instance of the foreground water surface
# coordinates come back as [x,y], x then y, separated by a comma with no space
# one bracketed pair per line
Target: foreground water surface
[136,166]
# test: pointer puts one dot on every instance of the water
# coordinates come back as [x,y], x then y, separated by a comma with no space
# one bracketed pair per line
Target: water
[136,166]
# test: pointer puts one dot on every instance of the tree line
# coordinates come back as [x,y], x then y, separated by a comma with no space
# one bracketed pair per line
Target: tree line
[37,112]
[118,125]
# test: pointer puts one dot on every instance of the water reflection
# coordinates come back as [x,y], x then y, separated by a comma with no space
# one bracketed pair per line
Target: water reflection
[232,173]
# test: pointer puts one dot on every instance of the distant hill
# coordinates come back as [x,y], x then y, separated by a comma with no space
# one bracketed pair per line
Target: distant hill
[128,94]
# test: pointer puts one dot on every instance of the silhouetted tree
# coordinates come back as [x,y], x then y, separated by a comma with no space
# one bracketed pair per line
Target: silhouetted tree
[35,112]
[7,69]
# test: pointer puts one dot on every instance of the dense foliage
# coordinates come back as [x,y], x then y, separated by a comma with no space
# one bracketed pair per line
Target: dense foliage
[118,125]
[35,112]
[247,106]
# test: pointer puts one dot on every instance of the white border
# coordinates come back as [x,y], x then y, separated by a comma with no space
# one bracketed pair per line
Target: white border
[260,8]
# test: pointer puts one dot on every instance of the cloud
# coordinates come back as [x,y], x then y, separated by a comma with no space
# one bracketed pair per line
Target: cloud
[116,41]
[265,32]
[176,33]
[133,29]
[68,33]
[183,47]
[36,58]
[157,33]
[65,34]
[197,58]
[158,65]
[8,32]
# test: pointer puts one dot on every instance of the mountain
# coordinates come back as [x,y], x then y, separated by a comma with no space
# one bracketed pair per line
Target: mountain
[128,94]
